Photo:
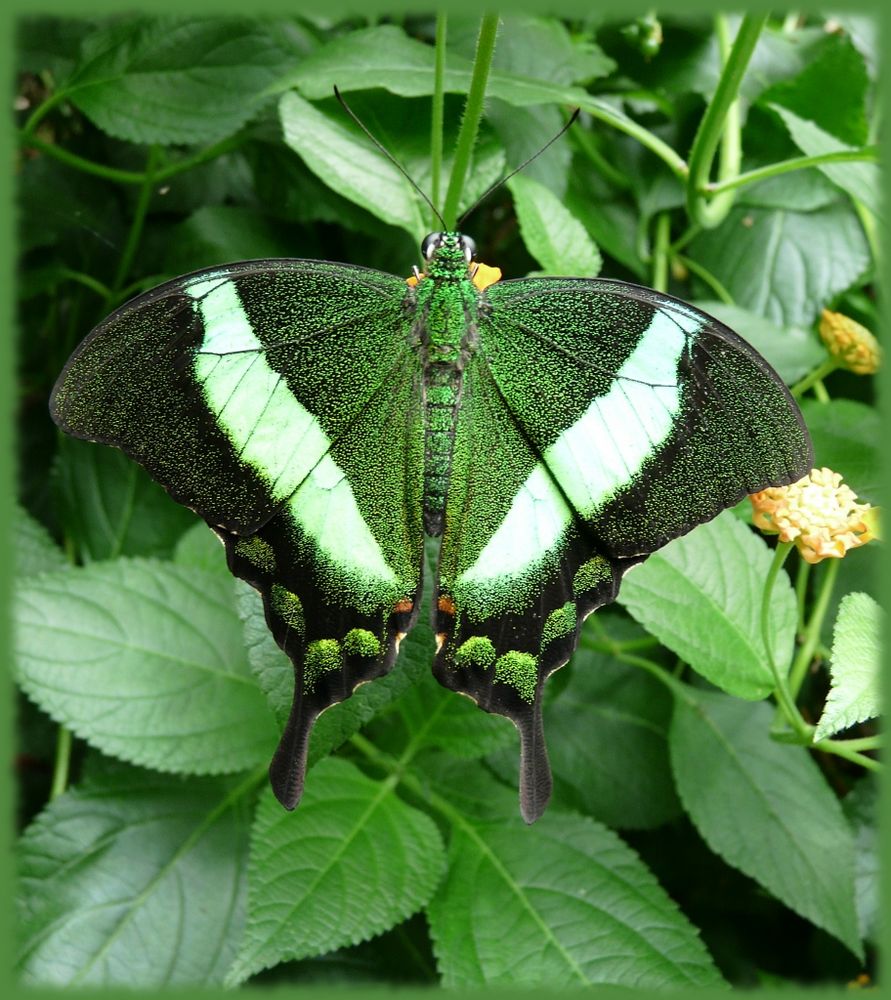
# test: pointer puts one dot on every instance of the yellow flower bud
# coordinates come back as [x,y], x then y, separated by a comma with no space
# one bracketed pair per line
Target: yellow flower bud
[819,514]
[852,344]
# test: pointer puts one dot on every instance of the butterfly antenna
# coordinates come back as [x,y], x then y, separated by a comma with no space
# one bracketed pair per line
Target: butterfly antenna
[522,166]
[389,155]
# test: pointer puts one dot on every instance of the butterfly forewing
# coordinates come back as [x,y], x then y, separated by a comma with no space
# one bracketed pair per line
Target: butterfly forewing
[281,401]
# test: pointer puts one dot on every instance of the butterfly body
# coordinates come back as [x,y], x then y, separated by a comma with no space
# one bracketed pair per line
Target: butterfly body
[322,418]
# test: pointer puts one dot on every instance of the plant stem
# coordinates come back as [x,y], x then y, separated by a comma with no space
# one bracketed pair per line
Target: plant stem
[721,124]
[801,579]
[812,631]
[660,252]
[437,113]
[707,277]
[136,226]
[62,763]
[826,367]
[841,749]
[867,153]
[784,697]
[585,141]
[470,122]
[604,113]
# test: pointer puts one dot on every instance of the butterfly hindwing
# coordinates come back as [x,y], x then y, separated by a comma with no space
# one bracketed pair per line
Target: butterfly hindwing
[599,420]
[280,400]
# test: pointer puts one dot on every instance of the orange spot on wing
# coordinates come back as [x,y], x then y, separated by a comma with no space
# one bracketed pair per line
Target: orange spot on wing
[446,604]
[403,607]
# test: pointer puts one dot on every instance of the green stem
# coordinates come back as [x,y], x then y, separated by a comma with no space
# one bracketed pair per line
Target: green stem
[841,749]
[826,367]
[62,763]
[690,233]
[604,113]
[88,281]
[707,277]
[868,153]
[801,579]
[585,142]
[437,113]
[660,252]
[876,742]
[820,393]
[136,226]
[783,695]
[812,631]
[721,124]
[41,111]
[870,231]
[470,122]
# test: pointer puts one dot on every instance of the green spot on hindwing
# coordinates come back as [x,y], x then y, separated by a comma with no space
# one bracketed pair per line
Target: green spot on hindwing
[476,652]
[288,607]
[322,656]
[361,642]
[560,622]
[257,552]
[519,671]
[591,575]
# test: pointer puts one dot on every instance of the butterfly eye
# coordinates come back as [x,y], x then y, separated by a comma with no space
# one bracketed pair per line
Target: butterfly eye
[430,245]
[469,248]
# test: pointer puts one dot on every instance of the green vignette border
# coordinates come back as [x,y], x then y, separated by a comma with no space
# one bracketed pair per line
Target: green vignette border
[9,17]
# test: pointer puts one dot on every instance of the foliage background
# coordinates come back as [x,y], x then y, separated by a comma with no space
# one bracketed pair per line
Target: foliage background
[166,860]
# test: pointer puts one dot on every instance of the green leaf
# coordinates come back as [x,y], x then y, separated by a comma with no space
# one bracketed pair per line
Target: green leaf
[428,715]
[854,665]
[218,234]
[178,80]
[861,807]
[470,786]
[275,676]
[351,862]
[134,878]
[557,240]
[830,90]
[846,435]
[785,265]
[700,596]
[34,550]
[861,181]
[347,162]
[765,808]
[562,903]
[609,723]
[110,506]
[145,661]
[201,547]
[792,350]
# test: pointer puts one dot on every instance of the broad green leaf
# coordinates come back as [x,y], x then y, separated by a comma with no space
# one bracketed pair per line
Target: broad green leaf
[470,786]
[607,738]
[202,548]
[791,350]
[610,221]
[427,715]
[765,808]
[796,191]
[830,90]
[860,180]
[145,661]
[218,234]
[351,862]
[554,237]
[846,438]
[523,132]
[861,807]
[179,80]
[700,596]
[563,903]
[134,878]
[111,507]
[854,665]
[34,550]
[785,265]
[347,162]
[275,675]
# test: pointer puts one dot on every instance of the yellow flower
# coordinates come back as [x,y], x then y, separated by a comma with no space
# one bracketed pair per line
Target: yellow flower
[482,277]
[852,344]
[818,513]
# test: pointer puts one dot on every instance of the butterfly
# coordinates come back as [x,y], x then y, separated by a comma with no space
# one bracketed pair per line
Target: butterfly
[323,418]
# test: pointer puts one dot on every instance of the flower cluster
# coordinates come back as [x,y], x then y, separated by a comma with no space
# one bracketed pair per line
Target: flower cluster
[818,513]
[852,344]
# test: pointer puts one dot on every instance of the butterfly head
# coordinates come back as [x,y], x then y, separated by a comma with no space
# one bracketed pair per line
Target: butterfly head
[447,254]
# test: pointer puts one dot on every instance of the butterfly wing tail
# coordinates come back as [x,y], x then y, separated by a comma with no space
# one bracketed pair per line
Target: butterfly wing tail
[287,771]
[535,771]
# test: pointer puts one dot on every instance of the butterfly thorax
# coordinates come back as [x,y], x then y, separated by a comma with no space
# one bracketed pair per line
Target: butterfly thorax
[445,332]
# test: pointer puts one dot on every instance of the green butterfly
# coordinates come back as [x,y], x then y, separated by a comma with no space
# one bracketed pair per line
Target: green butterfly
[323,417]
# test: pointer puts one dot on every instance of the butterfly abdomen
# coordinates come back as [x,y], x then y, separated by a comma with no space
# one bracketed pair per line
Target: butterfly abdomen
[442,395]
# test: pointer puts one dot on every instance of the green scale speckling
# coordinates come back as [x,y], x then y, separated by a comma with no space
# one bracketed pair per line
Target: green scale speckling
[446,332]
